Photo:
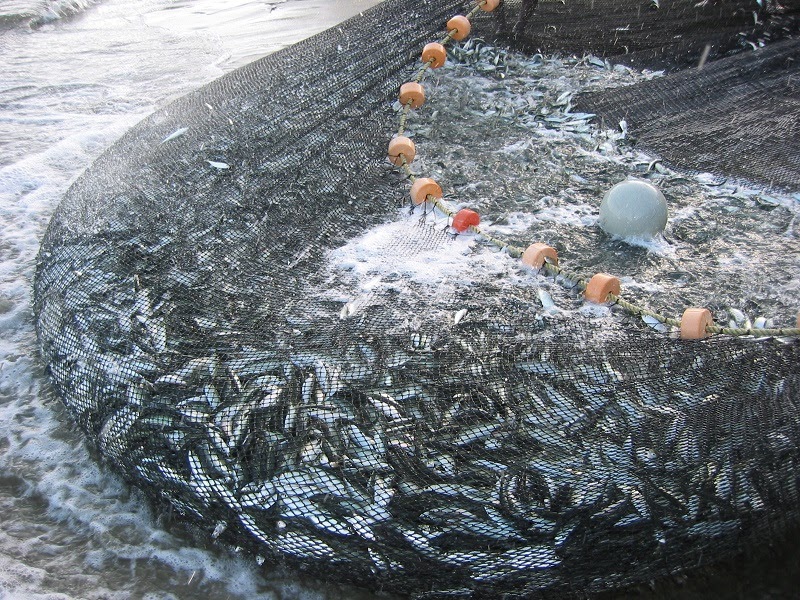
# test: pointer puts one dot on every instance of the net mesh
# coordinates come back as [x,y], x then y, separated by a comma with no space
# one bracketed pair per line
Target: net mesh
[207,322]
[755,117]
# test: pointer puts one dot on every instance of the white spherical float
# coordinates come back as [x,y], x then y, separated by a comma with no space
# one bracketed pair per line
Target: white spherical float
[633,208]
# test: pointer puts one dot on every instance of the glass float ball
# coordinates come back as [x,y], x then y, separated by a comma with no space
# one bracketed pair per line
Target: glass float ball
[633,208]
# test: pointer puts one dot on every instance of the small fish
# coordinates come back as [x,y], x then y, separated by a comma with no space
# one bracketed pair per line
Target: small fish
[218,165]
[421,342]
[303,546]
[518,559]
[738,316]
[654,323]
[220,527]
[546,299]
[563,99]
[597,62]
[175,134]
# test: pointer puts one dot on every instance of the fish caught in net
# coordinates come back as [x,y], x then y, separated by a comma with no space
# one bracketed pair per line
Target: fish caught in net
[245,313]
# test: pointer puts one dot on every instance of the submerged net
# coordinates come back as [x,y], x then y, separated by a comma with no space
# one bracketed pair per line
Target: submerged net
[241,308]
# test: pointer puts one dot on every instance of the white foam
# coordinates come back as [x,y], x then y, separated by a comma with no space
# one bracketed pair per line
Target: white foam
[657,244]
[372,255]
[415,250]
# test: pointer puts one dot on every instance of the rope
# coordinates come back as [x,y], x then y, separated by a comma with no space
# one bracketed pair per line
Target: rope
[549,267]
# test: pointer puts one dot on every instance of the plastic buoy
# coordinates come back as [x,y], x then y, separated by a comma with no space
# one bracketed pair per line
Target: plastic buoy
[459,27]
[633,208]
[490,5]
[464,219]
[401,145]
[412,92]
[435,53]
[536,254]
[424,187]
[694,322]
[600,286]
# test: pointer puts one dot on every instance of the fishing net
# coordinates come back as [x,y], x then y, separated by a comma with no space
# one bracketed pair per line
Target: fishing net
[243,310]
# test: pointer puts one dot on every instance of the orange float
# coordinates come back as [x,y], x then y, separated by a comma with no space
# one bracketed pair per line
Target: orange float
[600,286]
[424,187]
[435,54]
[694,322]
[536,254]
[401,145]
[459,27]
[412,92]
[464,219]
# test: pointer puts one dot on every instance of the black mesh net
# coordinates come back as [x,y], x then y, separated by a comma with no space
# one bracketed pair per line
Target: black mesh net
[238,305]
[754,117]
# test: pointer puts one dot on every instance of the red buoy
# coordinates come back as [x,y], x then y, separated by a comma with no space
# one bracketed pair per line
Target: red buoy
[464,219]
